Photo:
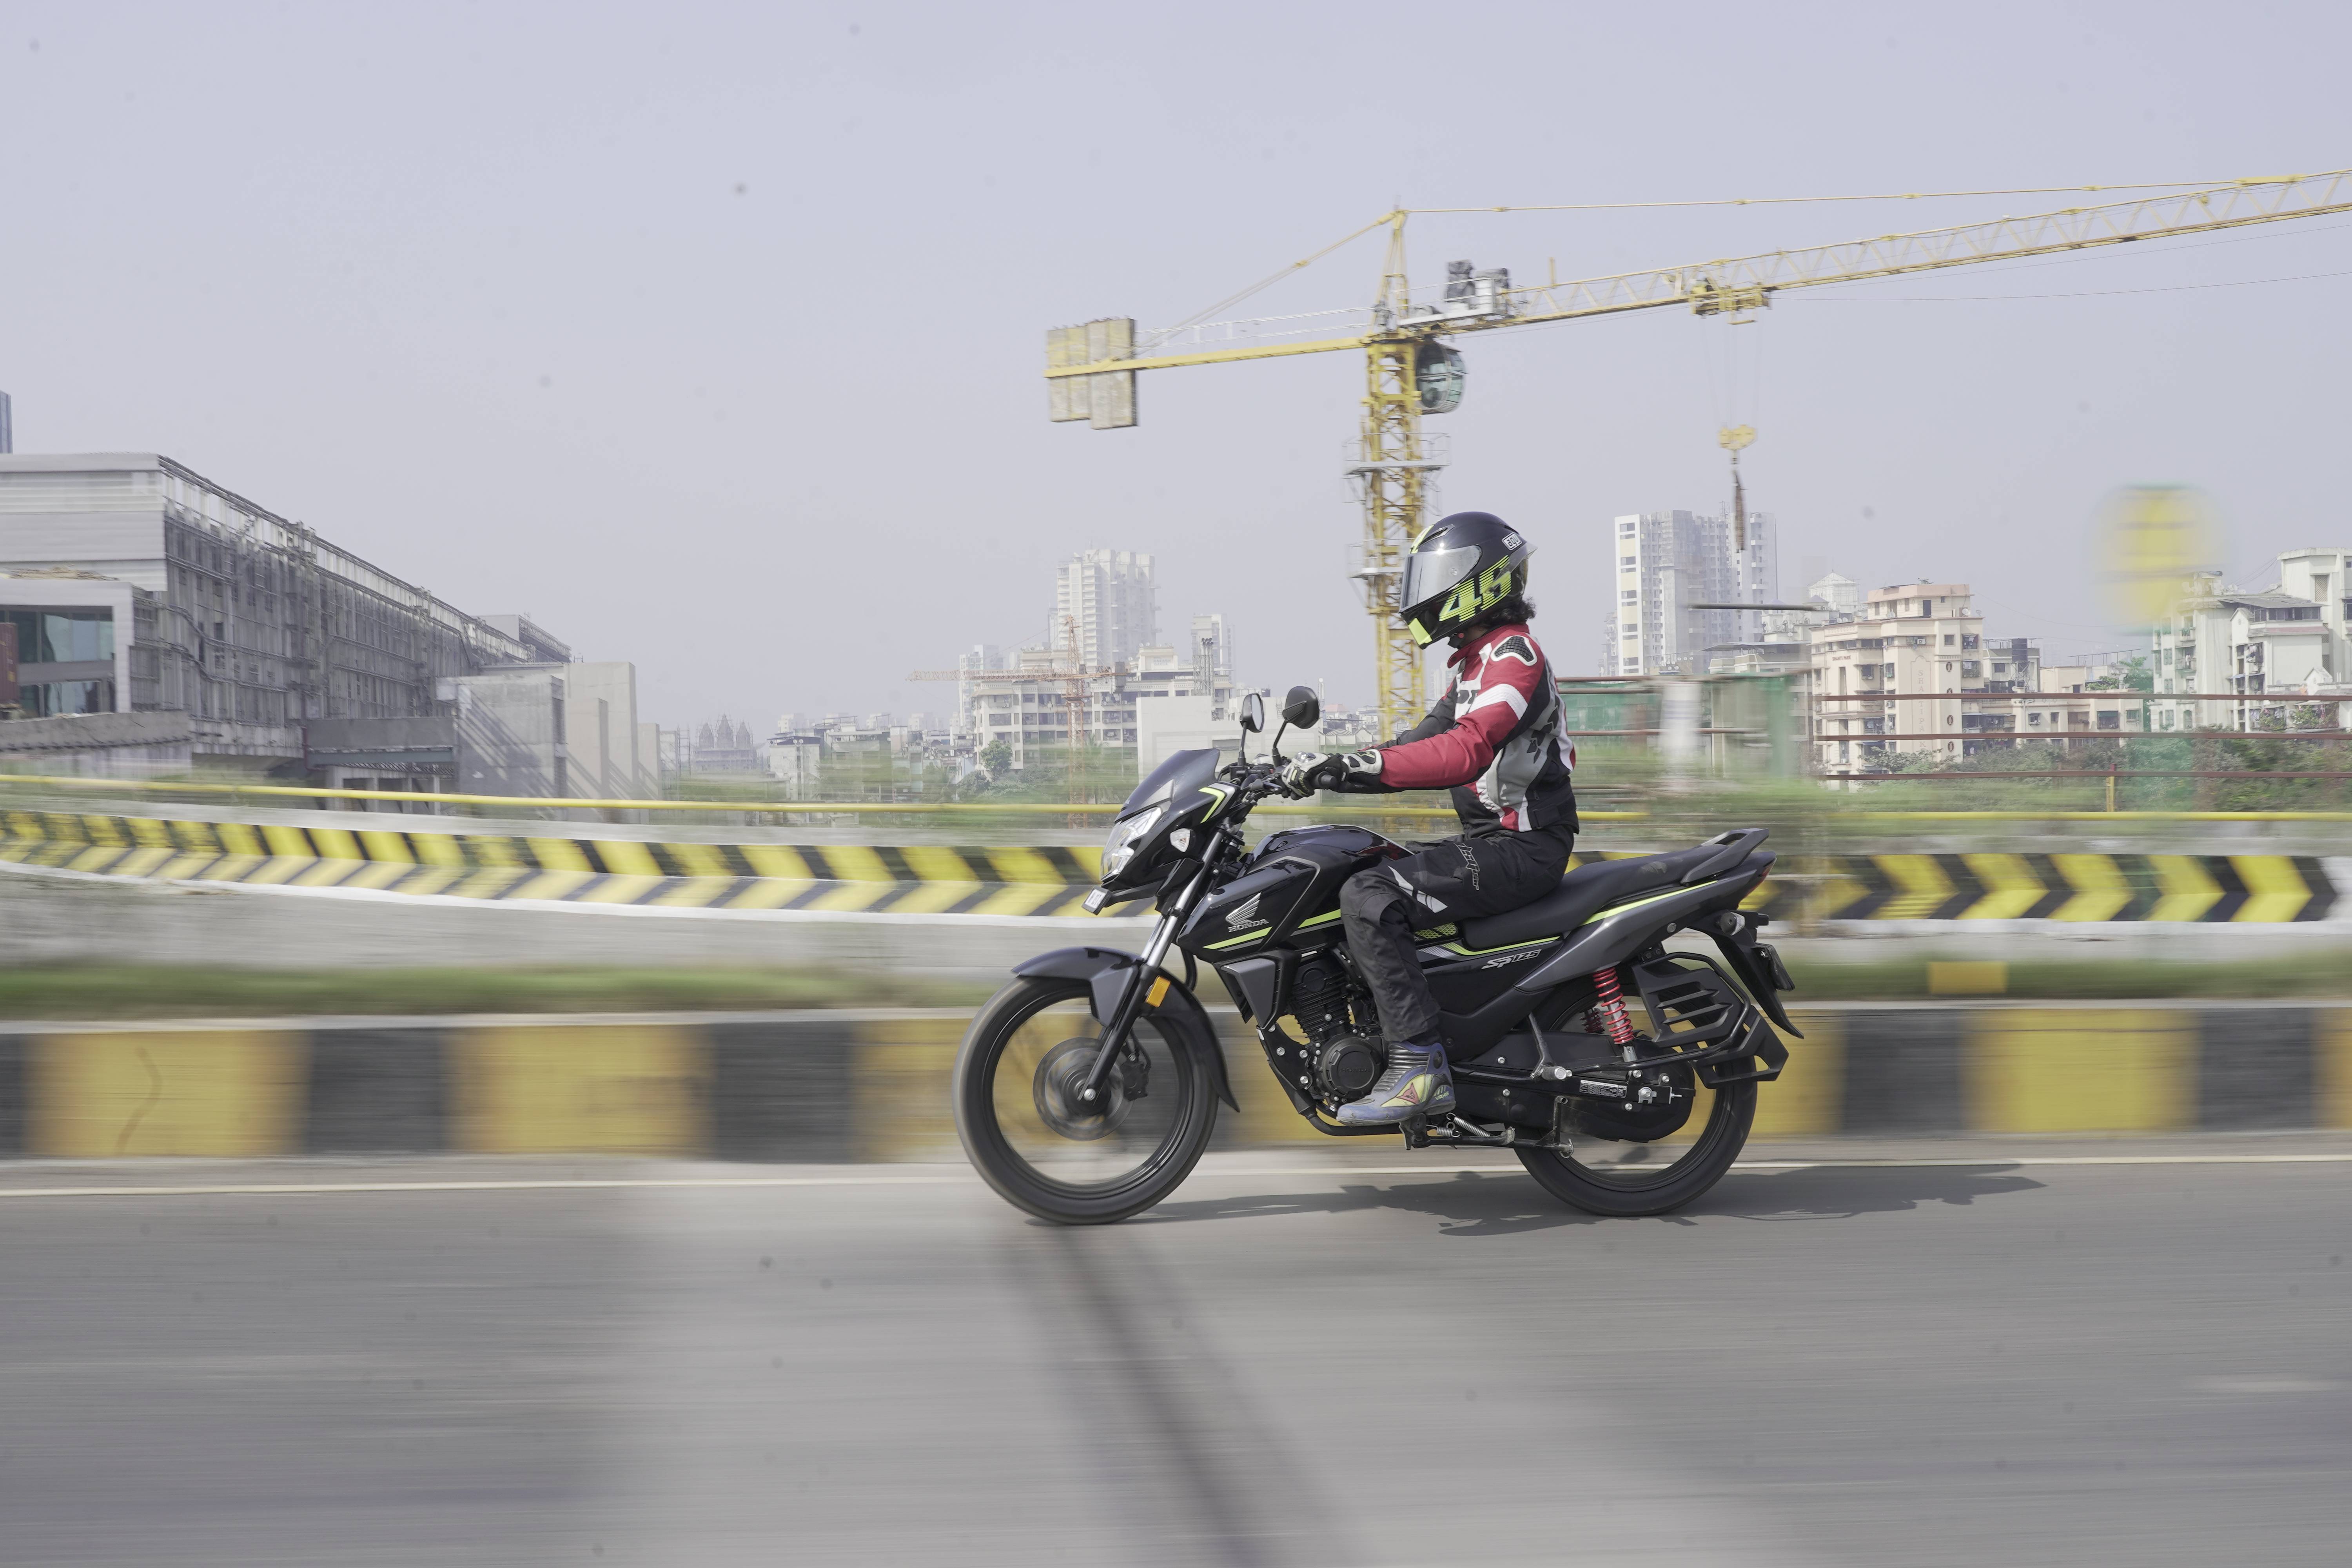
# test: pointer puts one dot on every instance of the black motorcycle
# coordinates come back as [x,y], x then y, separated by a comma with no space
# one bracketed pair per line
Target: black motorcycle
[1087,1088]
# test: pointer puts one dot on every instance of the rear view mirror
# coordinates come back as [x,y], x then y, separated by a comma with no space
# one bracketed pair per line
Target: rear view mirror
[1252,713]
[1302,709]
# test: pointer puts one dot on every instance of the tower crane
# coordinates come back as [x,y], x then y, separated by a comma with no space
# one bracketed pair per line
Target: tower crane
[1410,371]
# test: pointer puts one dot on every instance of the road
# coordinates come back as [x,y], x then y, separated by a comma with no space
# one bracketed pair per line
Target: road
[1995,1362]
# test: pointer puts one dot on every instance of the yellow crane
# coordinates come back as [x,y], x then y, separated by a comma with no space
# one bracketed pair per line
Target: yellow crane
[1409,370]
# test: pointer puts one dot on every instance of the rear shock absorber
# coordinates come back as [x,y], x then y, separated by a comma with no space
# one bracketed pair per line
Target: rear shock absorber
[1610,1009]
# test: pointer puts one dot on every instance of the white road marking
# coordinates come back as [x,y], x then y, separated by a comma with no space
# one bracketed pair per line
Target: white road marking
[1329,1172]
[2264,1385]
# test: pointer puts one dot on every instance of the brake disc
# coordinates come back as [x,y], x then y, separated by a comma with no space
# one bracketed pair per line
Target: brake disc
[1061,1079]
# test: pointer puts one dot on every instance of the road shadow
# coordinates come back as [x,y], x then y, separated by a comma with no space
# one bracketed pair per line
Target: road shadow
[1507,1203]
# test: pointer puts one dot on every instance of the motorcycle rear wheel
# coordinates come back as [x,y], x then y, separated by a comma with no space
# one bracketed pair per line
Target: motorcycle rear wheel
[1016,1113]
[1638,1186]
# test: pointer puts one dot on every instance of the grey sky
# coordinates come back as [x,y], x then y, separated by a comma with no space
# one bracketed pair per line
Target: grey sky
[708,334]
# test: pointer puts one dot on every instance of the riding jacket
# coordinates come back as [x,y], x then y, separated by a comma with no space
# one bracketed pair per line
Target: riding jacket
[1494,738]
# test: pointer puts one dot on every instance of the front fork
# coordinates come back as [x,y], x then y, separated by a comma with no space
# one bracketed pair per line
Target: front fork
[1132,996]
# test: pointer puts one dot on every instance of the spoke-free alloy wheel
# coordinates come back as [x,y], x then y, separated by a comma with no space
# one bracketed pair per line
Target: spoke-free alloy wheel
[1020,1110]
[1622,1177]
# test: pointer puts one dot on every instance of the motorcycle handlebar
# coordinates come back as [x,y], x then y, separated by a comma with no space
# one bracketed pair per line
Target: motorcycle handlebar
[1258,780]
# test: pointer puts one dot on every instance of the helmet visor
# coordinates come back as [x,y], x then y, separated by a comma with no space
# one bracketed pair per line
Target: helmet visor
[1429,575]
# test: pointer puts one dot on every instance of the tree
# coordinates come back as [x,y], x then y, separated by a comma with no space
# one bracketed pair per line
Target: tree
[996,757]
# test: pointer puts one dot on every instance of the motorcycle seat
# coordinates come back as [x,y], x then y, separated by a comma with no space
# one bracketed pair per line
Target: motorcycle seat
[1581,894]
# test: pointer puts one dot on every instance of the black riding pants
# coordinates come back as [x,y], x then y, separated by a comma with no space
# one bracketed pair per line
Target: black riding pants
[1450,881]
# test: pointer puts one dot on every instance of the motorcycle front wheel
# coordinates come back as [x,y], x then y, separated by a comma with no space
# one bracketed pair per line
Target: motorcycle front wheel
[1623,1180]
[1019,1111]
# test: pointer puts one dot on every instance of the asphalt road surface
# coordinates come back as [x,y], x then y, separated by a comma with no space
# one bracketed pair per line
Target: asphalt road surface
[1994,1362]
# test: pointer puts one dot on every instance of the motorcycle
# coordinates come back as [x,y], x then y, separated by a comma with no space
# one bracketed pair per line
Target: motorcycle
[1087,1089]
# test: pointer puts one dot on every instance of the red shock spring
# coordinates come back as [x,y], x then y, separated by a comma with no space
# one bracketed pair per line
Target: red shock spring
[1612,1008]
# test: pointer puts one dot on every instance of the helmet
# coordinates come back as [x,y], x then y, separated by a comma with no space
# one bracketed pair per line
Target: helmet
[1464,565]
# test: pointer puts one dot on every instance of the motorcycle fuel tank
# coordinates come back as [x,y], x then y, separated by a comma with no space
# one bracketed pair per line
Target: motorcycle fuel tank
[1292,887]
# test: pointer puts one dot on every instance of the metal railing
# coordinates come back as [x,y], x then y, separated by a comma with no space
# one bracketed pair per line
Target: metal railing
[745,808]
[803,808]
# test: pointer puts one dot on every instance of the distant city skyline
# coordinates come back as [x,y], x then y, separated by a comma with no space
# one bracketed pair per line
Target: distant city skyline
[643,325]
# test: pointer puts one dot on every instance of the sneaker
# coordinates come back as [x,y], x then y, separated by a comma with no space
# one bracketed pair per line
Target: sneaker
[1417,1083]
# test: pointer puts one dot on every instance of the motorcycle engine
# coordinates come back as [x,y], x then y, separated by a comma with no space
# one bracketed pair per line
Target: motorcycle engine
[1345,1063]
[1347,1066]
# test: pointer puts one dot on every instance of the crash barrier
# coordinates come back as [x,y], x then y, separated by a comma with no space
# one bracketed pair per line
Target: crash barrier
[2262,889]
[588,871]
[848,1086]
[934,880]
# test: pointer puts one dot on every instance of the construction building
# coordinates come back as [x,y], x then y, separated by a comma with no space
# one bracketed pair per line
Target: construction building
[1101,654]
[178,624]
[1212,650]
[1023,697]
[1667,561]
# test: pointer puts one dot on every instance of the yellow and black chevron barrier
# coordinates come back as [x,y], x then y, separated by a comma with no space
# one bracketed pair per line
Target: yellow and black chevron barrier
[832,877]
[842,1086]
[932,880]
[2260,888]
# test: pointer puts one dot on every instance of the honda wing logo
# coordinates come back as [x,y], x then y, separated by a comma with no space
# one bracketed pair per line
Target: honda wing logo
[1244,915]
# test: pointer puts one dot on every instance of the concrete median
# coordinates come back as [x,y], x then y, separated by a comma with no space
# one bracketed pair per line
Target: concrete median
[846,1086]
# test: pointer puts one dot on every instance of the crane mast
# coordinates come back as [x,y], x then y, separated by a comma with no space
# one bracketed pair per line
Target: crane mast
[1090,370]
[1393,470]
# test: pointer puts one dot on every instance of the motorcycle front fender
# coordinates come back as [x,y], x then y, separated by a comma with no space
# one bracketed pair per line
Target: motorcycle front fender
[1108,972]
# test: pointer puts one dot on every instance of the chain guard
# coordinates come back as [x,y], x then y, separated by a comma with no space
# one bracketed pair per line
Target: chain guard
[1615,1122]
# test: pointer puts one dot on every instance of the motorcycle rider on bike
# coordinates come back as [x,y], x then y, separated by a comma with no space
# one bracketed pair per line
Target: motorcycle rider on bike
[1494,738]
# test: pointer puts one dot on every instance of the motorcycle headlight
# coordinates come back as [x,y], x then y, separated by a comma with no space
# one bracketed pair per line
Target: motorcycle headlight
[1127,834]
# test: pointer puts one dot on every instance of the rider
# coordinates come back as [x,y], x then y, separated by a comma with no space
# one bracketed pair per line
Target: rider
[1494,738]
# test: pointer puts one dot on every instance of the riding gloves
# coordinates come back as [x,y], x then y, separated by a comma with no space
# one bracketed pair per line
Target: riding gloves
[1311,771]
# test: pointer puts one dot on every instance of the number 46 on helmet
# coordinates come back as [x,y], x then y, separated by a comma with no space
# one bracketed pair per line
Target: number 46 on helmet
[1462,566]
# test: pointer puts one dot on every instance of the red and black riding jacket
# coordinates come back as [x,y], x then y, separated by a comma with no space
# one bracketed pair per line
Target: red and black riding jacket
[1494,738]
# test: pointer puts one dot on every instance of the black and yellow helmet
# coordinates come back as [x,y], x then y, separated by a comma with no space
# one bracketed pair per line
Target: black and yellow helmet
[1464,565]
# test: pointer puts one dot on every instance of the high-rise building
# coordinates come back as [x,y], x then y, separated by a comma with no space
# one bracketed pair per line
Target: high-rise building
[1667,561]
[1108,601]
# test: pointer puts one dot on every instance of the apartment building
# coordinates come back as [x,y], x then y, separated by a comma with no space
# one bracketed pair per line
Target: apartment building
[1921,639]
[2258,651]
[1910,640]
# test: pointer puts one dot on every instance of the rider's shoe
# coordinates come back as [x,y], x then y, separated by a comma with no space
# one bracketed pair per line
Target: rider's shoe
[1417,1083]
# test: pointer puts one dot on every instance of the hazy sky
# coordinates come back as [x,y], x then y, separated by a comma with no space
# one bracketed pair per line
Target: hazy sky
[710,335]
